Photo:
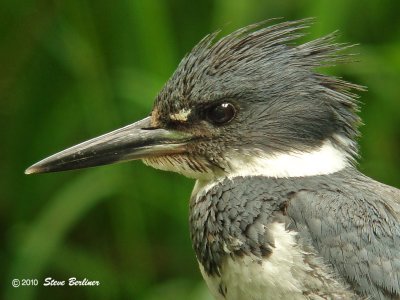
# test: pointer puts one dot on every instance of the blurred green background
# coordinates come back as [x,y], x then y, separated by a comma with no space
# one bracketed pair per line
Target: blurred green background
[71,70]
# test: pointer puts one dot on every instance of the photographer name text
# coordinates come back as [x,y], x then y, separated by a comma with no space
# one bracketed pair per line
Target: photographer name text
[72,281]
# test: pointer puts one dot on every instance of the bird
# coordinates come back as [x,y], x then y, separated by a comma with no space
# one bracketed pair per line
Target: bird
[279,209]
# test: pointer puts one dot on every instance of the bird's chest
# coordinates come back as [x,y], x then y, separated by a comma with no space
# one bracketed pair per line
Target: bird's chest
[238,254]
[239,274]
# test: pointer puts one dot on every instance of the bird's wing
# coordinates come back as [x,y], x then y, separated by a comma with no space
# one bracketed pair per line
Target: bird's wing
[356,230]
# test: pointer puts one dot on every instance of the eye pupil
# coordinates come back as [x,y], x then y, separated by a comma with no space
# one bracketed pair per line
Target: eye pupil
[221,113]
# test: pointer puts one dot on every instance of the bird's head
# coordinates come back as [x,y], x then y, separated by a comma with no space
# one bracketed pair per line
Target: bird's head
[249,103]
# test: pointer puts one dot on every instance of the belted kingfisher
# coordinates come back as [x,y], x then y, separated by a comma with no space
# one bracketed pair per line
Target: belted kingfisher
[279,210]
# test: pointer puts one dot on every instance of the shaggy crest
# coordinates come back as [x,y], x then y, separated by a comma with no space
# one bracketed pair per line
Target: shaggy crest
[257,63]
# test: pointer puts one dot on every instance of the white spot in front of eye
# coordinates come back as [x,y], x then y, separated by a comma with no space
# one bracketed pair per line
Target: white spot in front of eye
[180,116]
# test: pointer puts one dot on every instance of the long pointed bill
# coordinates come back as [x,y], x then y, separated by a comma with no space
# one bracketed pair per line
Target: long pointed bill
[136,141]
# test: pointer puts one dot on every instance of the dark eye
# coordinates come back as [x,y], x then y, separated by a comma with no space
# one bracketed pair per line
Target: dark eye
[221,113]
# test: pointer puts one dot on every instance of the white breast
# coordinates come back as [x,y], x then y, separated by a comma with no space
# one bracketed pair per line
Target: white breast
[279,276]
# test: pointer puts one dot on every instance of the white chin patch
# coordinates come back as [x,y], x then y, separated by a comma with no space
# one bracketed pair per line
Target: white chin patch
[326,159]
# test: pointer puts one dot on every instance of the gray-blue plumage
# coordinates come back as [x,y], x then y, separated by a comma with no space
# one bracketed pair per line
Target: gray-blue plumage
[346,218]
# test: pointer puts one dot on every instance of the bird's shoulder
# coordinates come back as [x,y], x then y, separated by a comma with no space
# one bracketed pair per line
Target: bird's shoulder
[353,222]
[239,226]
[348,220]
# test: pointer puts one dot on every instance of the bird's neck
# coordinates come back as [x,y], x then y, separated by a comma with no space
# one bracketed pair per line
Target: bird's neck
[325,159]
[329,158]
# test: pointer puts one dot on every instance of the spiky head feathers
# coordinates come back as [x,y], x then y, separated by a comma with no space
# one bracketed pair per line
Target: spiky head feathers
[282,104]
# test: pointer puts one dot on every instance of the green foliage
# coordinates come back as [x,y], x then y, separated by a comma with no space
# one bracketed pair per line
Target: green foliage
[71,70]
